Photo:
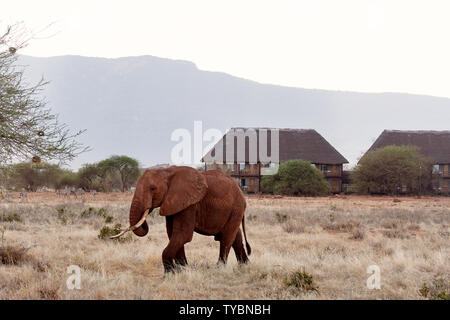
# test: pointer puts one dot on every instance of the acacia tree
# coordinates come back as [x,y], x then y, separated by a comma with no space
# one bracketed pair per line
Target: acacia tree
[28,129]
[89,176]
[127,168]
[31,178]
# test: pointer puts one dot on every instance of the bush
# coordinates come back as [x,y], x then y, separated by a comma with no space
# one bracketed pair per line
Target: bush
[296,177]
[12,256]
[302,280]
[107,232]
[10,217]
[281,218]
[439,289]
[387,170]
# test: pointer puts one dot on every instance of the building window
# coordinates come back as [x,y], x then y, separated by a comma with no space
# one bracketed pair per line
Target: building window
[436,168]
[241,166]
[245,182]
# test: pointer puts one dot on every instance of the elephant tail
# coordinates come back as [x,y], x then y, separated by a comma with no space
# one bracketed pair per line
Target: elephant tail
[247,245]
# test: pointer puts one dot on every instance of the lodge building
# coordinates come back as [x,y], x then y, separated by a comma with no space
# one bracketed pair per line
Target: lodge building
[247,168]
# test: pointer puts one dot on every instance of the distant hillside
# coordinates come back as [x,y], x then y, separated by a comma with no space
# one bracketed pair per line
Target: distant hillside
[131,106]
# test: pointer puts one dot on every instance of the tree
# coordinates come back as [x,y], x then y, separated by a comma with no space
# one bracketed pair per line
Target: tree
[390,169]
[127,168]
[31,178]
[89,176]
[28,129]
[296,177]
[67,178]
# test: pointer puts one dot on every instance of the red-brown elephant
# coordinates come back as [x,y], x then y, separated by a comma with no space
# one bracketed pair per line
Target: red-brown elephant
[209,203]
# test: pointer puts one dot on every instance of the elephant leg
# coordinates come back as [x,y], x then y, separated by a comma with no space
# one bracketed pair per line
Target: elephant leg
[176,244]
[228,235]
[180,257]
[169,226]
[238,248]
[182,230]
[226,241]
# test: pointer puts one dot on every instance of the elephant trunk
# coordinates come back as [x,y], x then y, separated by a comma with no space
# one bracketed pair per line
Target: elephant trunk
[136,214]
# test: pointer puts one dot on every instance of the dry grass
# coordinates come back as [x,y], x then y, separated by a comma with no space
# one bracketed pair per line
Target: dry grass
[331,240]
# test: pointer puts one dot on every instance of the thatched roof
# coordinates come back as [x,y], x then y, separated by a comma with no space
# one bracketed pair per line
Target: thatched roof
[432,144]
[303,144]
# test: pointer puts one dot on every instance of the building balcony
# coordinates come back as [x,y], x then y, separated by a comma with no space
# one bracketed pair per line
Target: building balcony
[332,174]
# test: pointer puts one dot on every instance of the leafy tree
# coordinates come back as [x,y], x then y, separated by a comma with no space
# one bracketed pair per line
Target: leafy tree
[28,129]
[89,176]
[296,177]
[127,168]
[67,178]
[388,170]
[107,174]
[29,177]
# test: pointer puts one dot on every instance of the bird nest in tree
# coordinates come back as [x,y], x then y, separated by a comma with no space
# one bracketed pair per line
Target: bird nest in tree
[36,159]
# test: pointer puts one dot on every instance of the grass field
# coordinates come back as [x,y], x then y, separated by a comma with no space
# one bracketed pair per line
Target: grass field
[303,248]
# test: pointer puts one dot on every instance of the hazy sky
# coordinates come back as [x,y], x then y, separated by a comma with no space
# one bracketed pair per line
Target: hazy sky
[400,46]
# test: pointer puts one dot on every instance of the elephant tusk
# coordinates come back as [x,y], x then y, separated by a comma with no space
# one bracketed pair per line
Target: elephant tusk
[120,234]
[137,225]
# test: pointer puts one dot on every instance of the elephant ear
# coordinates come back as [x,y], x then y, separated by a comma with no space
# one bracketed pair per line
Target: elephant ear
[187,186]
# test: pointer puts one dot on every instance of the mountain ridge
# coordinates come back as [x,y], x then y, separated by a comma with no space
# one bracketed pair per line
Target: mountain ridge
[131,105]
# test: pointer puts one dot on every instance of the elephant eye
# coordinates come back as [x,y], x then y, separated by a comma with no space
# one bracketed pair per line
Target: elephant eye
[152,188]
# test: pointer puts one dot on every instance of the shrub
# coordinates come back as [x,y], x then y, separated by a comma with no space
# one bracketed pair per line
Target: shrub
[88,212]
[62,211]
[439,289]
[301,280]
[357,234]
[101,212]
[296,177]
[10,217]
[387,170]
[12,255]
[281,218]
[107,232]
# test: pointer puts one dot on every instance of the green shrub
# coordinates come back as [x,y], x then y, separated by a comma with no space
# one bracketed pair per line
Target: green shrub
[439,289]
[61,210]
[301,280]
[281,218]
[296,177]
[107,232]
[88,212]
[387,170]
[10,217]
[101,212]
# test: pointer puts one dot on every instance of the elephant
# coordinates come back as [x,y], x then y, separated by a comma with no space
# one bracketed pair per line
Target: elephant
[209,203]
